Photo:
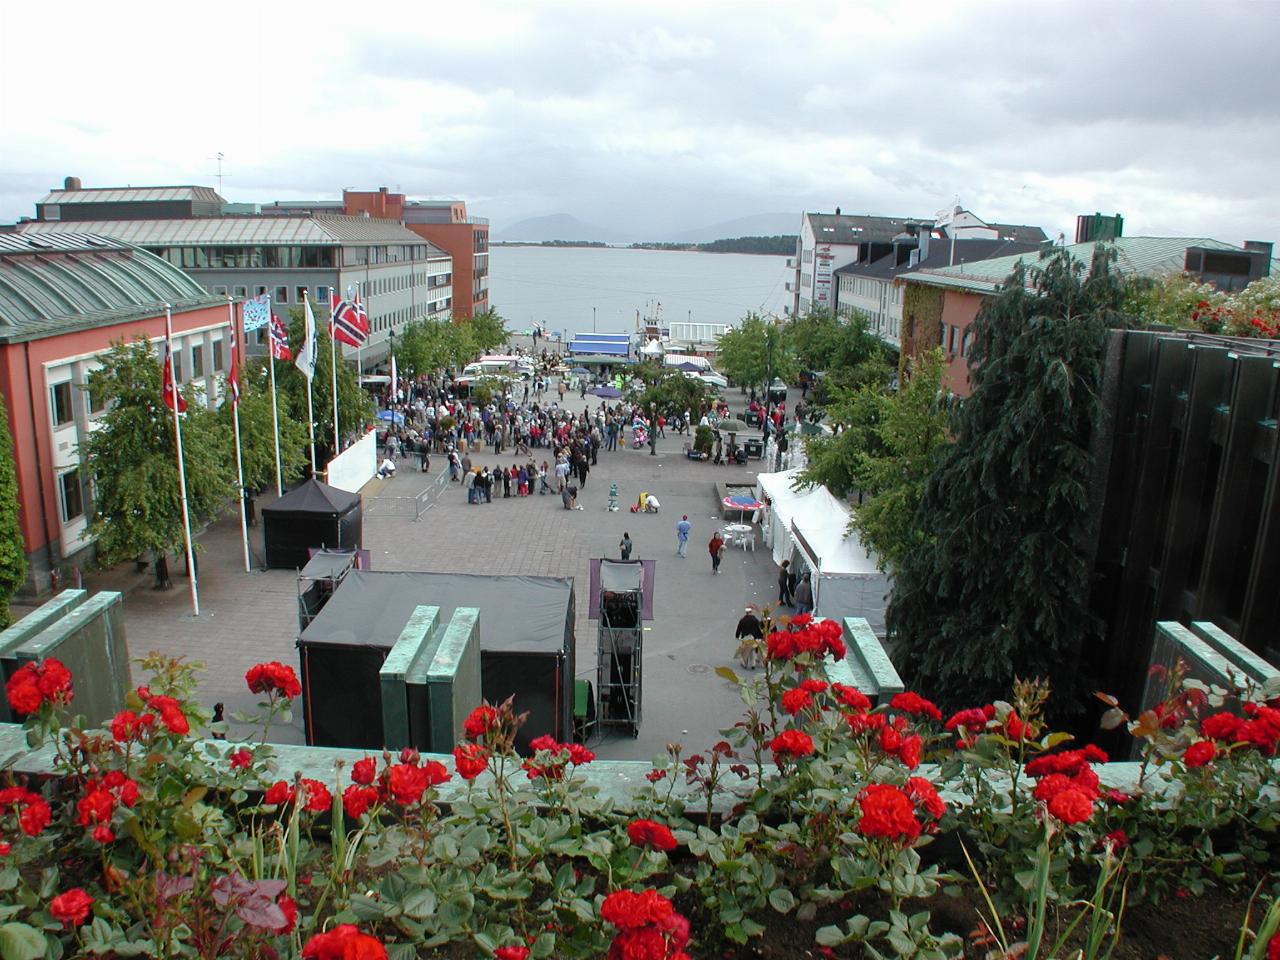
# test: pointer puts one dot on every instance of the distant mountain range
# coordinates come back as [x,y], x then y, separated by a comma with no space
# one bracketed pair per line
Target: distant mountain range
[563,226]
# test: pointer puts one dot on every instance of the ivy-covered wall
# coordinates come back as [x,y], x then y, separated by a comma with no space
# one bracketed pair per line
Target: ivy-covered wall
[921,315]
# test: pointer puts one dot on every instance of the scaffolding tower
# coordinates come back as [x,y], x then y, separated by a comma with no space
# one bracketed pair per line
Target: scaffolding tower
[620,646]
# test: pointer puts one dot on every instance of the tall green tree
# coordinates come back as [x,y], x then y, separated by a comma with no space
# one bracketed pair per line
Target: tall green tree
[131,457]
[669,391]
[487,329]
[996,583]
[13,556]
[756,351]
[846,350]
[257,439]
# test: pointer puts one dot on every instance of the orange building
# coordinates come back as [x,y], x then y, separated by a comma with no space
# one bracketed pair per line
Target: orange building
[64,299]
[446,224]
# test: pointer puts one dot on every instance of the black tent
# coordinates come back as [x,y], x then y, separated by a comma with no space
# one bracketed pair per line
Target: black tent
[526,649]
[311,515]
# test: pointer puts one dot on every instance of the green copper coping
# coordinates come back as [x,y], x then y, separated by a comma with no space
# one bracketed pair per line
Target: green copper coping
[869,662]
[453,645]
[35,647]
[40,618]
[409,647]
[1245,660]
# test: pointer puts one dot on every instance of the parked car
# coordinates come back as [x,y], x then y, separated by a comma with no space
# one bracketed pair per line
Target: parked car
[777,391]
[713,378]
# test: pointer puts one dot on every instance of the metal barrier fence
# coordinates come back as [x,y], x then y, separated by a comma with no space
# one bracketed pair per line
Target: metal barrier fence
[410,508]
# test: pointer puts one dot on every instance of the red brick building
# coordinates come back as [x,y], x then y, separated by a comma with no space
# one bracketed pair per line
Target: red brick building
[63,300]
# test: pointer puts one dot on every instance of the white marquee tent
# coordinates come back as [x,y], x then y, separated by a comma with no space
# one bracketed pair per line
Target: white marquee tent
[808,527]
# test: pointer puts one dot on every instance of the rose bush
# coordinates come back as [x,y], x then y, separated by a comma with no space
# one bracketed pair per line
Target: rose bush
[819,806]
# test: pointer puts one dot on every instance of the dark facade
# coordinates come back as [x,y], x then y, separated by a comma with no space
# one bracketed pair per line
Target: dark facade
[1189,526]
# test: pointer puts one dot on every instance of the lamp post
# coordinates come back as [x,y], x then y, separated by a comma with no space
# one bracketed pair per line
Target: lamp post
[593,319]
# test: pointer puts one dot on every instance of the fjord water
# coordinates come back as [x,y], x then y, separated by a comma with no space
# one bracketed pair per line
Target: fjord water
[558,286]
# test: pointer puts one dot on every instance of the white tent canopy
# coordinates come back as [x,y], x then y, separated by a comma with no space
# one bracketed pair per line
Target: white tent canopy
[652,349]
[808,527]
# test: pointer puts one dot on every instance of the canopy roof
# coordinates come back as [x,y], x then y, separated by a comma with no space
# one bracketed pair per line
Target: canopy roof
[314,497]
[822,521]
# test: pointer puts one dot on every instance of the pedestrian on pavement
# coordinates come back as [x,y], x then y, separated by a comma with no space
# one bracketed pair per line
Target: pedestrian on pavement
[804,595]
[624,545]
[786,583]
[749,633]
[469,485]
[683,526]
[716,547]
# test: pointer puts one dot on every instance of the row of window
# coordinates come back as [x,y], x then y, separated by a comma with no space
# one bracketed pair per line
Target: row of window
[953,339]
[869,289]
[285,257]
[319,295]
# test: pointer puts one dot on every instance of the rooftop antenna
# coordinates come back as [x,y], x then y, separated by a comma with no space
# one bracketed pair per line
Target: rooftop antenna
[219,157]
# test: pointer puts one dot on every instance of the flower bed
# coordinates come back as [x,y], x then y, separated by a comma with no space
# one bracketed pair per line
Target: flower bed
[819,826]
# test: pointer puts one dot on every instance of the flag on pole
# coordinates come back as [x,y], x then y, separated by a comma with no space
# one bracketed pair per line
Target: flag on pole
[395,380]
[344,322]
[362,316]
[279,338]
[169,388]
[306,361]
[233,377]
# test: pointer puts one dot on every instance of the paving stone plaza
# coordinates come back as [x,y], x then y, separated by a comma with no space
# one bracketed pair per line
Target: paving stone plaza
[250,617]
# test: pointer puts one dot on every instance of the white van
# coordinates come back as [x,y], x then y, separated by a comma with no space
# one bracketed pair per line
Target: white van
[493,366]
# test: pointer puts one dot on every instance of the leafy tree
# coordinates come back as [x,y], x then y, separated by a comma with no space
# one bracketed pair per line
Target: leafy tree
[355,408]
[488,330]
[257,442]
[669,391]
[995,584]
[755,352]
[132,458]
[847,350]
[13,558]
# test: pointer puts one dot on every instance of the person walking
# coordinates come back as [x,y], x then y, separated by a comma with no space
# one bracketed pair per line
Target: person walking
[624,545]
[804,595]
[786,583]
[750,631]
[716,547]
[683,527]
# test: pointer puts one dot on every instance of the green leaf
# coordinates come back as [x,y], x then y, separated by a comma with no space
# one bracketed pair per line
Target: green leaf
[831,936]
[420,904]
[18,941]
[727,674]
[782,900]
[366,908]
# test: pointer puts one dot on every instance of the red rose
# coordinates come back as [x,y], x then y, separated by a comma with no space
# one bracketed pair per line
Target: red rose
[1273,948]
[35,815]
[887,814]
[647,833]
[242,759]
[1070,806]
[54,681]
[315,796]
[171,714]
[1014,728]
[357,799]
[627,910]
[436,773]
[926,795]
[865,722]
[470,760]
[974,718]
[511,953]
[913,703]
[1115,840]
[24,696]
[851,697]
[578,754]
[273,678]
[545,742]
[653,776]
[480,721]
[1221,726]
[795,700]
[814,685]
[793,743]
[909,752]
[71,909]
[278,792]
[406,783]
[344,942]
[290,910]
[102,834]
[1199,753]
[364,771]
[96,806]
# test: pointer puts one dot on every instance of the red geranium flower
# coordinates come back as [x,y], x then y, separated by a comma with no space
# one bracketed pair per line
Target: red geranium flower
[357,799]
[364,771]
[913,703]
[1199,753]
[71,909]
[649,833]
[578,754]
[1071,806]
[344,942]
[278,792]
[242,759]
[887,814]
[315,796]
[470,760]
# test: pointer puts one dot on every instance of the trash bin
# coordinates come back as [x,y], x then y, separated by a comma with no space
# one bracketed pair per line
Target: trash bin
[754,448]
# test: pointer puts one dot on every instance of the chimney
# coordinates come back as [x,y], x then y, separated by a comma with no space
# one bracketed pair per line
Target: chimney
[71,183]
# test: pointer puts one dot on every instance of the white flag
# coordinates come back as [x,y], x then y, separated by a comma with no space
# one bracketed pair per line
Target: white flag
[395,380]
[306,361]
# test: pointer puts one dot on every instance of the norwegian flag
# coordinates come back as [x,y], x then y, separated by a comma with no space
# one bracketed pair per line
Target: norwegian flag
[279,340]
[169,389]
[344,322]
[233,378]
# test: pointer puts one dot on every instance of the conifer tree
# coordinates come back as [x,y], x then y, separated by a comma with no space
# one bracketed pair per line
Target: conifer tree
[13,557]
[997,583]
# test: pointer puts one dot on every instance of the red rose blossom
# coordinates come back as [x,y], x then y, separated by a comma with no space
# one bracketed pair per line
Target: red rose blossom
[1199,753]
[278,792]
[925,795]
[1071,806]
[343,942]
[357,799]
[290,910]
[470,760]
[273,679]
[887,814]
[35,684]
[1221,726]
[851,697]
[242,759]
[651,834]
[71,909]
[480,721]
[316,796]
[364,771]
[511,953]
[791,743]
[913,703]
[406,783]
[796,700]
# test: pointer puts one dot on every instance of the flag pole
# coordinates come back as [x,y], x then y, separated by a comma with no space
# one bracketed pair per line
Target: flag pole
[275,410]
[310,347]
[333,362]
[235,415]
[182,470]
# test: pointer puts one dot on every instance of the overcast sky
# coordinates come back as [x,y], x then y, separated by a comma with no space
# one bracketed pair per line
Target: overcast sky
[664,116]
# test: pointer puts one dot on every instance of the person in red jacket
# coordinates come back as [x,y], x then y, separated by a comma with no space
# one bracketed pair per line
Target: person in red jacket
[716,548]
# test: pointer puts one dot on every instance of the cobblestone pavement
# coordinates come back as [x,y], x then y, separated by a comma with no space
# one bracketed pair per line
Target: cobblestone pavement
[249,617]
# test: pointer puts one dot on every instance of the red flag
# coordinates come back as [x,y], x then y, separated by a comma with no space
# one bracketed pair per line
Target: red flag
[345,324]
[279,339]
[233,378]
[169,389]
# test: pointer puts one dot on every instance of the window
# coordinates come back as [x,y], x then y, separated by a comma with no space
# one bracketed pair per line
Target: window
[261,334]
[96,402]
[197,360]
[60,403]
[217,355]
[220,289]
[241,292]
[322,294]
[71,496]
[261,290]
[299,294]
[281,295]
[177,365]
[966,343]
[951,339]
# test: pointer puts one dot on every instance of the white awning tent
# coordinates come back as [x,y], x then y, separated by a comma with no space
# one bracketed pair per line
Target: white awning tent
[652,349]
[808,527]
